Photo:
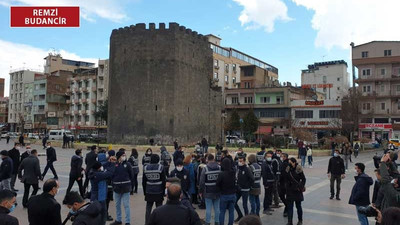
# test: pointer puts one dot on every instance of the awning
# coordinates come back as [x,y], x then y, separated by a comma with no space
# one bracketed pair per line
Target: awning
[263,130]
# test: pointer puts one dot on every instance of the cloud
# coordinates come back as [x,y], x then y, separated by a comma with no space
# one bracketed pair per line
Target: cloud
[90,9]
[340,22]
[262,13]
[14,56]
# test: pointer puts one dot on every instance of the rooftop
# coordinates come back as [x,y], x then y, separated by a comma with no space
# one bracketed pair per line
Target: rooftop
[327,63]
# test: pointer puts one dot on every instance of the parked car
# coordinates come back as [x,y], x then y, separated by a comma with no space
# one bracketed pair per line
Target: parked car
[33,136]
[4,134]
[84,138]
[59,134]
[230,139]
[13,135]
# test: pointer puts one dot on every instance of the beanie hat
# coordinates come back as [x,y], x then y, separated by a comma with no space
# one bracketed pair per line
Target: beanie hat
[4,153]
[111,153]
[119,154]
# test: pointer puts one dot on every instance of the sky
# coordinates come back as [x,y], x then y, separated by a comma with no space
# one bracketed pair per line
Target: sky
[288,34]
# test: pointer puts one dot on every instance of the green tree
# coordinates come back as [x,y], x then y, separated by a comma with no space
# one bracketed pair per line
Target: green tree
[102,111]
[233,122]
[250,123]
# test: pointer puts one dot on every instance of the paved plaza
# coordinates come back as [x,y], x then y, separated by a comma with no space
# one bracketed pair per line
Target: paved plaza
[318,208]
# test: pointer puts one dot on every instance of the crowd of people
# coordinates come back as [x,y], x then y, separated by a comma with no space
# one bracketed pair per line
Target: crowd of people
[215,182]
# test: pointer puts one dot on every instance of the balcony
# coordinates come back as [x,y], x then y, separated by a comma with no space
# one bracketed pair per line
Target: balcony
[80,123]
[377,78]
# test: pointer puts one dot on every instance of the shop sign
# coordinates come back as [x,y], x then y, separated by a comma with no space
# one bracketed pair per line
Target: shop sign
[375,126]
[315,102]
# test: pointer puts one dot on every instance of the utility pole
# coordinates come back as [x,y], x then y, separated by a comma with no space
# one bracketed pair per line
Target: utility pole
[353,95]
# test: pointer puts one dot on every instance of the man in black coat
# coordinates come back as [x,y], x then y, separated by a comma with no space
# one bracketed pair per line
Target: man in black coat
[49,212]
[336,172]
[173,212]
[31,176]
[26,153]
[6,169]
[51,158]
[90,160]
[84,213]
[178,154]
[15,155]
[7,205]
[75,173]
[44,141]
[21,140]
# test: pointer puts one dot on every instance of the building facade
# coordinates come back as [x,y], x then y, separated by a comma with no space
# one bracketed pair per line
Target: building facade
[2,83]
[28,101]
[166,75]
[16,112]
[102,87]
[378,65]
[330,78]
[4,110]
[55,62]
[227,63]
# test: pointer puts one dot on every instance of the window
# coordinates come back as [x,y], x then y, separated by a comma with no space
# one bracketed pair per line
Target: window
[265,99]
[398,105]
[234,80]
[235,100]
[387,52]
[329,114]
[324,89]
[273,114]
[215,75]
[227,67]
[303,114]
[247,85]
[215,62]
[87,118]
[12,86]
[279,99]
[367,88]
[383,106]
[234,67]
[364,54]
[58,87]
[226,78]
[248,100]
[398,88]
[338,88]
[36,86]
[383,71]
[382,88]
[366,72]
[324,79]
[338,79]
[10,116]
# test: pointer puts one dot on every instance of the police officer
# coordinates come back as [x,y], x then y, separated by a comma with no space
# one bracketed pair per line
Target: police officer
[244,178]
[239,154]
[181,173]
[276,168]
[208,188]
[255,189]
[147,157]
[153,184]
[165,159]
[261,155]
[268,181]
[134,161]
[218,155]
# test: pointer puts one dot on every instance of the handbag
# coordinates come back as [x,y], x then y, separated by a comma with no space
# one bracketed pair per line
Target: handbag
[301,187]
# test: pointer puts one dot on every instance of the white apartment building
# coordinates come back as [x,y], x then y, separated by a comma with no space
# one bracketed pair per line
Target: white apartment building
[18,80]
[102,86]
[330,78]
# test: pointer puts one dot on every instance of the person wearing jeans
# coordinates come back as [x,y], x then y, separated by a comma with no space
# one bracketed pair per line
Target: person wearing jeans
[6,169]
[208,188]
[303,155]
[360,192]
[122,177]
[226,182]
[255,189]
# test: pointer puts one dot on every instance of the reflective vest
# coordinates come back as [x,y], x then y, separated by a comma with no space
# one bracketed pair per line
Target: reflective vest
[256,169]
[260,157]
[135,162]
[211,179]
[146,160]
[218,157]
[153,175]
[165,158]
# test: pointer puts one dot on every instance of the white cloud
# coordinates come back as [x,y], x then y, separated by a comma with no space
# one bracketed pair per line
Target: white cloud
[340,22]
[90,9]
[14,56]
[262,13]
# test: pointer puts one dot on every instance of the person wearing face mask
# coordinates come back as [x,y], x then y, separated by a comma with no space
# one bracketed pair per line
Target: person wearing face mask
[122,186]
[14,154]
[165,159]
[6,169]
[239,153]
[153,185]
[7,205]
[244,178]
[181,173]
[255,189]
[31,175]
[360,192]
[261,155]
[336,172]
[49,212]
[268,181]
[295,186]
[51,158]
[26,153]
[147,157]
[81,212]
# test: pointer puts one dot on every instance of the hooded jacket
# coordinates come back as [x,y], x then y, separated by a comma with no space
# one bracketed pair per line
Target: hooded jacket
[226,181]
[360,192]
[89,214]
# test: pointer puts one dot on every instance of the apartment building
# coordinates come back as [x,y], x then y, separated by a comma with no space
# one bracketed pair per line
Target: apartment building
[2,83]
[18,79]
[102,87]
[330,78]
[83,100]
[3,110]
[378,65]
[228,62]
[28,104]
[55,62]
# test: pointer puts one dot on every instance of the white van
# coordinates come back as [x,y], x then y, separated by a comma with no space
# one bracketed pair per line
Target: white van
[58,134]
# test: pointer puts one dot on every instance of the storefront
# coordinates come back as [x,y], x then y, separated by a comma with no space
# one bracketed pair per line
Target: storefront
[375,131]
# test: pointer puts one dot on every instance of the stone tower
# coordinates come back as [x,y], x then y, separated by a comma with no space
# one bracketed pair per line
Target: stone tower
[160,86]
